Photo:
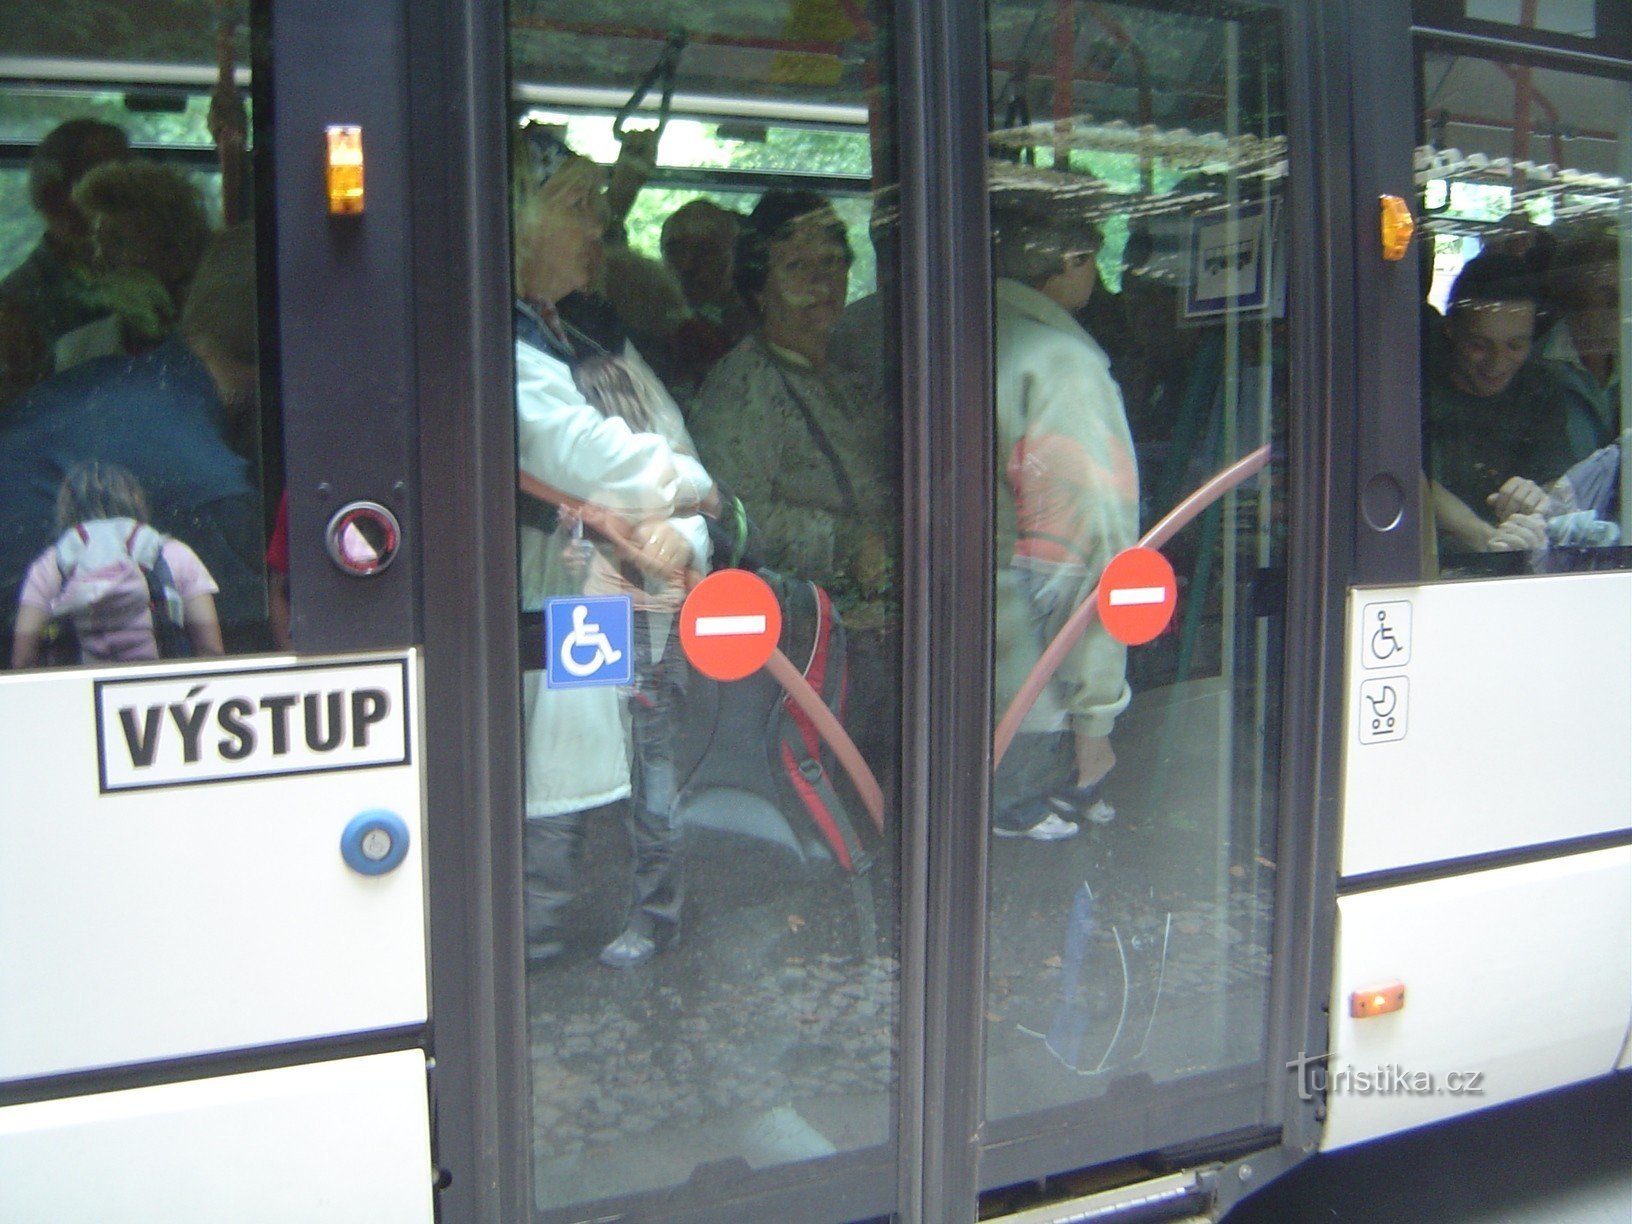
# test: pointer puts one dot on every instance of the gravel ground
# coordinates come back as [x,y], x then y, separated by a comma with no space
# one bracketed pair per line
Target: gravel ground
[767,1035]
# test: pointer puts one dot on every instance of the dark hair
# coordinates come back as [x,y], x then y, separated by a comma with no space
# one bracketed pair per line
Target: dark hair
[772,220]
[163,204]
[1494,276]
[68,151]
[98,490]
[1035,229]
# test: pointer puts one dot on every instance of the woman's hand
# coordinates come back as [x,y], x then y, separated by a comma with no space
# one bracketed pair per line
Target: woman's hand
[659,550]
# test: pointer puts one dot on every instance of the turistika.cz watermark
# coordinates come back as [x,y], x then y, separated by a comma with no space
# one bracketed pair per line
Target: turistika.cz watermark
[1316,1079]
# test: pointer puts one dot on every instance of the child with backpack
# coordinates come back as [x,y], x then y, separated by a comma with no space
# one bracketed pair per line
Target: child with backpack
[121,589]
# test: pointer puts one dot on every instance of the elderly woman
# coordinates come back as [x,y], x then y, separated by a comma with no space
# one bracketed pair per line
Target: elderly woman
[810,453]
[796,439]
[594,423]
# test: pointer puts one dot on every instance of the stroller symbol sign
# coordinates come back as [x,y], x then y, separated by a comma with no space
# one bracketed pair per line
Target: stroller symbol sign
[1382,709]
[588,641]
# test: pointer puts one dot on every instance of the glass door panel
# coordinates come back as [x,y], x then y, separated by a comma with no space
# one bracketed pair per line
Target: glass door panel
[705,384]
[125,233]
[1138,191]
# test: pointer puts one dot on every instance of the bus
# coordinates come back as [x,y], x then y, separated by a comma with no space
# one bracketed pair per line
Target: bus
[802,610]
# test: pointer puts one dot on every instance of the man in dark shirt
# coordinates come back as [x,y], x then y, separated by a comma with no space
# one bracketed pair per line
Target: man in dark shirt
[52,291]
[1493,413]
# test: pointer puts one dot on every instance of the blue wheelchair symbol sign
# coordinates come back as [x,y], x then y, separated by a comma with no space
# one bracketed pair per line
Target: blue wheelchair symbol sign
[588,640]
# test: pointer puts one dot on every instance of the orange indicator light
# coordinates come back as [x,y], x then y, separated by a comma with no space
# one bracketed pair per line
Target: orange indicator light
[345,169]
[1377,1000]
[1398,227]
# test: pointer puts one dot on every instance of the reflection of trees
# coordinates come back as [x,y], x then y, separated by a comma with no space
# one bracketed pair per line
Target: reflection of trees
[164,31]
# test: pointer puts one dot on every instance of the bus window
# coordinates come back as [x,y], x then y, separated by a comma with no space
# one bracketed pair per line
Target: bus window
[706,402]
[1139,246]
[1522,172]
[133,521]
[1576,18]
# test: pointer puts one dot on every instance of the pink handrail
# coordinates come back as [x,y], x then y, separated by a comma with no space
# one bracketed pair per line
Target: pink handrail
[1171,524]
[792,680]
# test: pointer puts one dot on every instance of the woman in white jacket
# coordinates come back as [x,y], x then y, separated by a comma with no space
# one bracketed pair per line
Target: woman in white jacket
[578,749]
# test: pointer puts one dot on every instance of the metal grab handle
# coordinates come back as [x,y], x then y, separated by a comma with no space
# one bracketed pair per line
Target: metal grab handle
[668,62]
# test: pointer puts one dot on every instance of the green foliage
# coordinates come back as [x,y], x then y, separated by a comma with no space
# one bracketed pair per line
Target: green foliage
[27,115]
[165,31]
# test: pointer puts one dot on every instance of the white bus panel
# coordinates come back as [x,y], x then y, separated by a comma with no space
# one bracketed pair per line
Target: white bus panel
[1515,981]
[174,882]
[1483,716]
[345,1142]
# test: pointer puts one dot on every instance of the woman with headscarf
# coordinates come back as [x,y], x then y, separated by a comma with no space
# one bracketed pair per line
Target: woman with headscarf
[594,423]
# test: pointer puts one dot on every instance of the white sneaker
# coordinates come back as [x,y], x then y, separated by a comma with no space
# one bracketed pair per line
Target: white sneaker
[1049,828]
[1101,812]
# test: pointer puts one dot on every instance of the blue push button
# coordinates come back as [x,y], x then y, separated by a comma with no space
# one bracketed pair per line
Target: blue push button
[374,842]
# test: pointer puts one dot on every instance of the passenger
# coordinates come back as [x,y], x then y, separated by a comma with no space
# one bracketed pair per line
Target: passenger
[811,455]
[1582,349]
[104,500]
[1492,413]
[593,423]
[53,290]
[1068,501]
[647,307]
[167,416]
[149,229]
[699,245]
[791,435]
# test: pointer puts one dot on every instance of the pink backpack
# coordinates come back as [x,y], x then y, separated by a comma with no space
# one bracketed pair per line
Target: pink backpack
[118,597]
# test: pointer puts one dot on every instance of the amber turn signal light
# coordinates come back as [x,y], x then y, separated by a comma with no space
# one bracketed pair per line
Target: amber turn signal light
[344,169]
[1398,227]
[1377,1000]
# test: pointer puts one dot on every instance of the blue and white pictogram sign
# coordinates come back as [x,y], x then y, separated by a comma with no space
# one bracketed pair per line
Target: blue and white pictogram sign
[588,640]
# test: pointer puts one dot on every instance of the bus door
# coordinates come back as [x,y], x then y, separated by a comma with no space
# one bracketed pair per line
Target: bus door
[1146,193]
[1467,861]
[778,928]
[212,949]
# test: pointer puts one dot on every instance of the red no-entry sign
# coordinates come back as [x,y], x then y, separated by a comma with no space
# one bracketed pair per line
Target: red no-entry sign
[1137,594]
[730,624]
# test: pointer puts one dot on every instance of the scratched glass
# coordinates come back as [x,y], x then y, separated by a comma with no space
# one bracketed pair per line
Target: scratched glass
[1139,240]
[705,383]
